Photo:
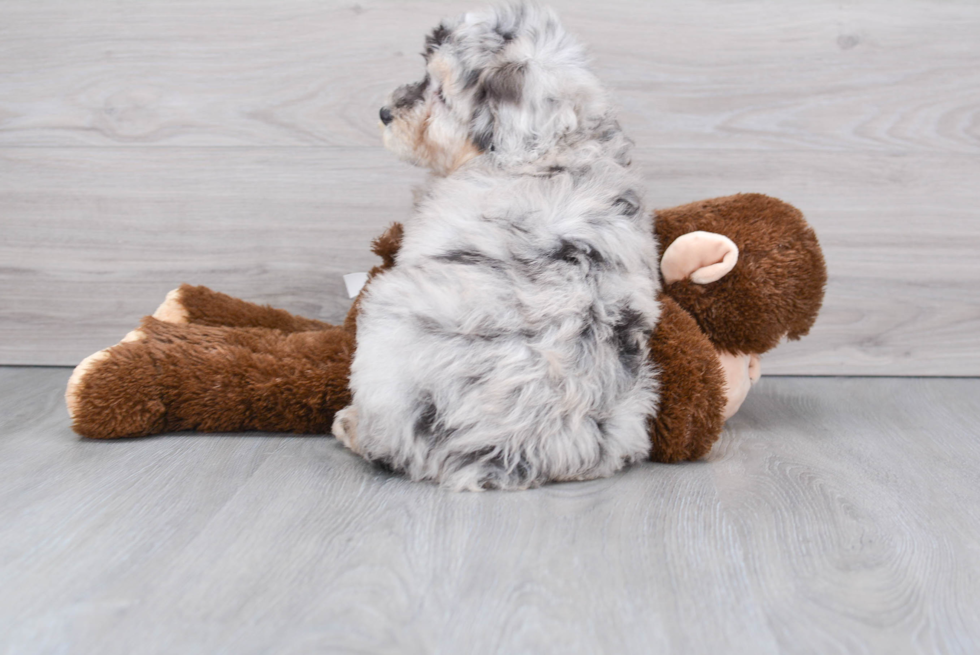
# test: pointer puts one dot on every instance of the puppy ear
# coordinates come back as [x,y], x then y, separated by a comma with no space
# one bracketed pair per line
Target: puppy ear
[534,88]
[521,110]
[505,83]
[500,86]
[434,40]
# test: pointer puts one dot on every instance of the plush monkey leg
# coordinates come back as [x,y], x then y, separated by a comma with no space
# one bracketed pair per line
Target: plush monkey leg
[202,306]
[199,305]
[693,398]
[772,273]
[165,377]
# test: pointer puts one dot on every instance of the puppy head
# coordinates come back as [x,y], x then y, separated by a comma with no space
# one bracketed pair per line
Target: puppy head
[509,83]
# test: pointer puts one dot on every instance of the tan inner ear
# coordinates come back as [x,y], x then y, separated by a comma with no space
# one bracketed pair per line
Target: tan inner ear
[701,256]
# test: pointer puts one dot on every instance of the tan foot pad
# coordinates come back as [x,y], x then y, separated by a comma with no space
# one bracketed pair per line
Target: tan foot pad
[86,366]
[172,309]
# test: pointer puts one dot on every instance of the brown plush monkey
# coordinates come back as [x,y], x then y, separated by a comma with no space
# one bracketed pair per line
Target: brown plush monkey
[739,274]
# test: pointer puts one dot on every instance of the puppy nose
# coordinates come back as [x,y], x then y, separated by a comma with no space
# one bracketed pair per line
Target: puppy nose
[385,114]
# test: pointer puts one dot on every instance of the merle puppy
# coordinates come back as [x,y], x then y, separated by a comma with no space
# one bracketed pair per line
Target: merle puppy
[508,345]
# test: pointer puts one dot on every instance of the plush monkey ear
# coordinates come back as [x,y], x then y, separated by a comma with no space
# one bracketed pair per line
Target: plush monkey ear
[703,257]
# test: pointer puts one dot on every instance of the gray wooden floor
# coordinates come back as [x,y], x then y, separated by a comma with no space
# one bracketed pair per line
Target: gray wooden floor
[836,515]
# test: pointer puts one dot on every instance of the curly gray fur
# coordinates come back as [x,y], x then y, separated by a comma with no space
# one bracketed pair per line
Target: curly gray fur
[508,345]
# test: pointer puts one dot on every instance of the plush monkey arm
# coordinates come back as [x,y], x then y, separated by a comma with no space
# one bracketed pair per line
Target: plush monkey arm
[692,394]
[386,247]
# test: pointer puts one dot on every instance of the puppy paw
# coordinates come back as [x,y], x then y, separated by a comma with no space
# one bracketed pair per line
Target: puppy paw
[345,427]
[172,309]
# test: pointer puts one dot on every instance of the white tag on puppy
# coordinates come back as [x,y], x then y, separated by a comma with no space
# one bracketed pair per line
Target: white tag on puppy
[355,282]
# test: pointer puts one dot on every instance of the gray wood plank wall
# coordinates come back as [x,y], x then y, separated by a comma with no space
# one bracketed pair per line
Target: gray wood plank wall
[234,144]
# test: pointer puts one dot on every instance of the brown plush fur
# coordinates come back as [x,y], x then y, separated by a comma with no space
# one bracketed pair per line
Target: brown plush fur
[207,307]
[692,388]
[233,366]
[386,247]
[217,379]
[230,365]
[775,289]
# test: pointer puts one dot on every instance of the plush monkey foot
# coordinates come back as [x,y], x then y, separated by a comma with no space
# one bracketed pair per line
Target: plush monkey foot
[107,394]
[172,309]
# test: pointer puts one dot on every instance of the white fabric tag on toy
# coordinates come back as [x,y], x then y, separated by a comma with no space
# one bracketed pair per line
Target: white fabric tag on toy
[355,282]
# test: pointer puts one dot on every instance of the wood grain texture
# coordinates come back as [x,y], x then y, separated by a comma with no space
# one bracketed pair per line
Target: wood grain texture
[701,73]
[234,144]
[835,515]
[99,239]
[102,236]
